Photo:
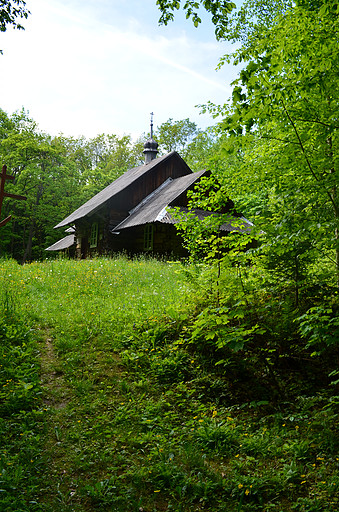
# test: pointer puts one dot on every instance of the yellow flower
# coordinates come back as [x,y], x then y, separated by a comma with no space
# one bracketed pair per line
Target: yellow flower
[214,413]
[247,492]
[240,486]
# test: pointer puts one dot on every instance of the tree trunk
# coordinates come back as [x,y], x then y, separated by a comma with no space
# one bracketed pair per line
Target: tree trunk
[28,250]
[334,195]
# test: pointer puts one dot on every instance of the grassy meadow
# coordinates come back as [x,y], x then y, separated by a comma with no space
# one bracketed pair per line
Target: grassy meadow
[111,400]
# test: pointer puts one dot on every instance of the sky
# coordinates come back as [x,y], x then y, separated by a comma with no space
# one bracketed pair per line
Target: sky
[86,67]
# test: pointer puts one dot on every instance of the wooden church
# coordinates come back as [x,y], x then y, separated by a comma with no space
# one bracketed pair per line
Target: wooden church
[132,214]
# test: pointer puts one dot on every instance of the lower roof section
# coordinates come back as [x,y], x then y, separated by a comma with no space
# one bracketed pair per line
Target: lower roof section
[64,243]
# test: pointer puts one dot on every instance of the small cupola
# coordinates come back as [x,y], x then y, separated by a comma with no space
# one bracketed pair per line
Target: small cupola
[151,146]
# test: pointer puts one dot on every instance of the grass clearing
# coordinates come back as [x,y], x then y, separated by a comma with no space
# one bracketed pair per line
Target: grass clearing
[105,406]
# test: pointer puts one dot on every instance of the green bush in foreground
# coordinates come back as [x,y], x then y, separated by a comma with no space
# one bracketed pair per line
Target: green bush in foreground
[21,417]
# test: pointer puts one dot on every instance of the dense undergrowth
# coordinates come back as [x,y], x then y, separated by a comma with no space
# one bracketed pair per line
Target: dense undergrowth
[150,386]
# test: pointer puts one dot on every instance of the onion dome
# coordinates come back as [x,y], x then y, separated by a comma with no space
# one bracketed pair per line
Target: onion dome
[151,146]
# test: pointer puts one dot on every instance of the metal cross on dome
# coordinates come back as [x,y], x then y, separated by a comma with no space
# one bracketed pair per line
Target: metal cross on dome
[152,125]
[3,177]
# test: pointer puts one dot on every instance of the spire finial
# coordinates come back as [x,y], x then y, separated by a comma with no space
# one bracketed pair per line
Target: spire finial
[152,125]
[150,146]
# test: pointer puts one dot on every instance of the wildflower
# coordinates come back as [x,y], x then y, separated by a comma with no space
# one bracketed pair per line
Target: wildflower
[214,413]
[247,492]
[240,486]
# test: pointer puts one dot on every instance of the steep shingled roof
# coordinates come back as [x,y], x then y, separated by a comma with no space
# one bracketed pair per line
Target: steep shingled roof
[114,188]
[235,223]
[64,243]
[151,207]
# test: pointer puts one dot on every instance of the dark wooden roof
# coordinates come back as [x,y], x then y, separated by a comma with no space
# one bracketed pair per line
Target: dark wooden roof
[64,243]
[125,181]
[157,211]
[151,209]
[240,224]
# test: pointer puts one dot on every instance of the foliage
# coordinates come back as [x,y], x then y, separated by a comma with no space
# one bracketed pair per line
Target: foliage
[320,327]
[21,413]
[107,157]
[135,414]
[219,11]
[283,112]
[57,174]
[195,146]
[278,148]
[9,12]
[176,135]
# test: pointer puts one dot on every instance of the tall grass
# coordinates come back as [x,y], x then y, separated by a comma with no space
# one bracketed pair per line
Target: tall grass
[86,309]
[107,405]
[101,296]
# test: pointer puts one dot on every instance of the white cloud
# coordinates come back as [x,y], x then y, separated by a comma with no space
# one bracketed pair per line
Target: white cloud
[78,74]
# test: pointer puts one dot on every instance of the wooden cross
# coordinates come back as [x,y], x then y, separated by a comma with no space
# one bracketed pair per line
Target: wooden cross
[3,177]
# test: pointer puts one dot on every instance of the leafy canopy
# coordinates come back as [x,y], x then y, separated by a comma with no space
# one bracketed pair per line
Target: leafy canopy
[10,11]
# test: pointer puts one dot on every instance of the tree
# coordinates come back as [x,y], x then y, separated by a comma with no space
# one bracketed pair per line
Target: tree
[200,151]
[176,135]
[218,9]
[232,23]
[43,174]
[57,174]
[287,95]
[283,119]
[107,157]
[10,12]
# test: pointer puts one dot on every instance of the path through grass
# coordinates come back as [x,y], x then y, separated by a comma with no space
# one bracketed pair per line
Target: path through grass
[104,406]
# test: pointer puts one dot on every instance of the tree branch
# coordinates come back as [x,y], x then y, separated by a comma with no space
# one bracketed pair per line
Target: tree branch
[306,157]
[314,121]
[279,140]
